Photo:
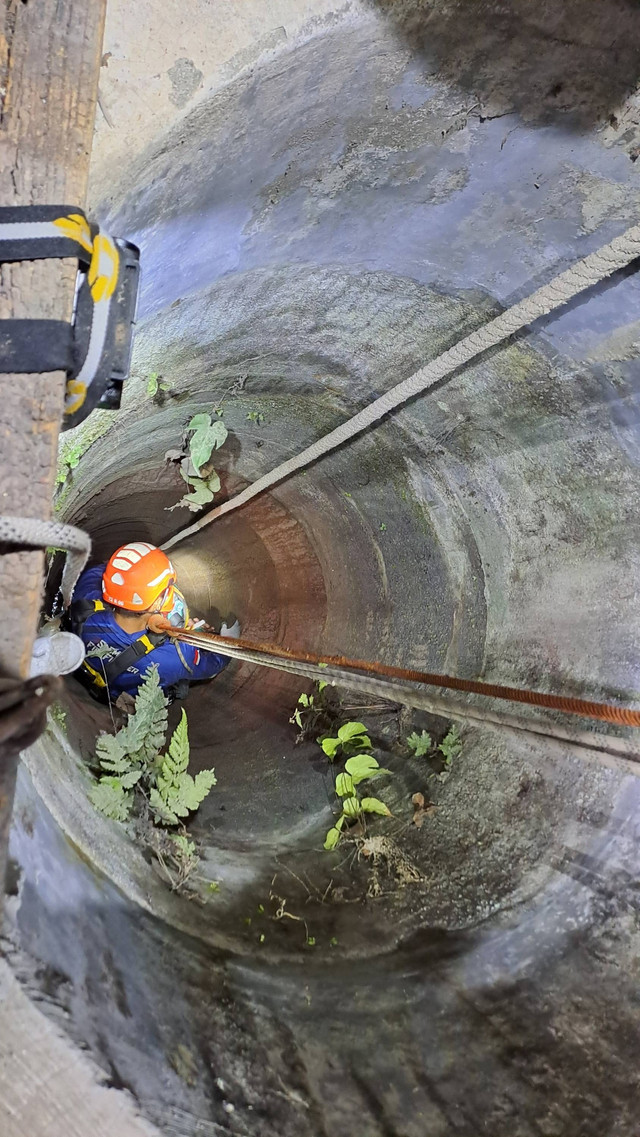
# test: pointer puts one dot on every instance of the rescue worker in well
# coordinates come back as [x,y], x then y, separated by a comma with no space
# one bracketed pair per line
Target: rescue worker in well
[110,611]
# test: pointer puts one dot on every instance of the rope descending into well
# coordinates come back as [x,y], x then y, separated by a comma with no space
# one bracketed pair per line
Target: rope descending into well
[582,275]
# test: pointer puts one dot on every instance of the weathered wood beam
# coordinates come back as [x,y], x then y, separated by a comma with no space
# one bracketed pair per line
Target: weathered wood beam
[50,54]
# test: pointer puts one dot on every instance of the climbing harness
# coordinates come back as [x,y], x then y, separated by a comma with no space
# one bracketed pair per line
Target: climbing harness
[584,274]
[97,681]
[95,348]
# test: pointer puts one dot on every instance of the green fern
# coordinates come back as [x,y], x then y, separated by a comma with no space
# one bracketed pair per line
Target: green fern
[176,793]
[110,796]
[147,727]
[137,744]
[419,743]
[132,757]
[112,753]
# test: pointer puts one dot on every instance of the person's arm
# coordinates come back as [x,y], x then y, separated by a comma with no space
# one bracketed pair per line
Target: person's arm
[193,663]
[176,661]
[201,664]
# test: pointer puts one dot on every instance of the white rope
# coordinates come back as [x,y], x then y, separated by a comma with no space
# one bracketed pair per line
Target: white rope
[584,274]
[32,533]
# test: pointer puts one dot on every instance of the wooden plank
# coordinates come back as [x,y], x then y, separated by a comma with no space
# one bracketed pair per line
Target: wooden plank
[49,65]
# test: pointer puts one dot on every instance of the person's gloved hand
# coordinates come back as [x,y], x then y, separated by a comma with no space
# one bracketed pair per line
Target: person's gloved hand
[233,632]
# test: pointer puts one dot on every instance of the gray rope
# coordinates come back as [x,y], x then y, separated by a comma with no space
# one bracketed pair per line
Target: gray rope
[584,274]
[31,533]
[606,749]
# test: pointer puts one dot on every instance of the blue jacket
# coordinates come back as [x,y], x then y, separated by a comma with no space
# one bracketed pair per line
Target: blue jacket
[174,661]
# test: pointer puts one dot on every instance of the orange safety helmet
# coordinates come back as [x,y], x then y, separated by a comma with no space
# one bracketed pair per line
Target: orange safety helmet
[136,576]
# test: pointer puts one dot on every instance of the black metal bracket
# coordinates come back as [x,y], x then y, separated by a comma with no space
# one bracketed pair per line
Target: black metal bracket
[95,348]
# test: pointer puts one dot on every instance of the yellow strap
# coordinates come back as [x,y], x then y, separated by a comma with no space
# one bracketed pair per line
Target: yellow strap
[95,675]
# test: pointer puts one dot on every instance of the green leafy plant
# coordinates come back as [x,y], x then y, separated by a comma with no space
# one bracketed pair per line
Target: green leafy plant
[312,713]
[67,462]
[58,715]
[359,768]
[202,437]
[306,703]
[256,416]
[75,444]
[451,745]
[450,748]
[351,736]
[156,385]
[419,743]
[138,781]
[176,794]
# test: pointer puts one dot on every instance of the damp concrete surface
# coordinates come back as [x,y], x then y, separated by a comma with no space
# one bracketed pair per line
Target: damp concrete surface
[337,212]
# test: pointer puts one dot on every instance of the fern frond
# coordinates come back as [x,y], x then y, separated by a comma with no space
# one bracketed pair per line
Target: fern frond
[163,815]
[147,726]
[110,797]
[111,753]
[179,745]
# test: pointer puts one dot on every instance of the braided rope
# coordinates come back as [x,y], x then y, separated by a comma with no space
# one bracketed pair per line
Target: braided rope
[31,533]
[584,274]
[608,750]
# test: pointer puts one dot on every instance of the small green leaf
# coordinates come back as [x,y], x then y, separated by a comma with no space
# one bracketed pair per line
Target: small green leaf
[344,785]
[198,421]
[204,441]
[332,838]
[374,805]
[361,766]
[200,495]
[351,807]
[451,745]
[262,938]
[213,482]
[131,778]
[179,745]
[350,729]
[304,700]
[213,886]
[419,743]
[321,686]
[330,746]
[186,847]
[152,384]
[311,941]
[260,908]
[323,665]
[333,942]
